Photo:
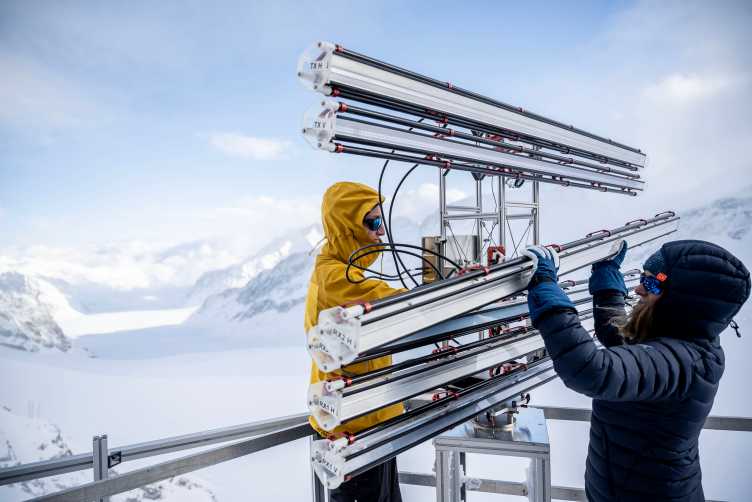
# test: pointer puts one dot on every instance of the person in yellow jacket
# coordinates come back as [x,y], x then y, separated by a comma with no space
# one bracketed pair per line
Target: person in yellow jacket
[350,215]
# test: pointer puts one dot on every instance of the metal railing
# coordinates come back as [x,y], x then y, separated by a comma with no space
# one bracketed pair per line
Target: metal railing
[254,437]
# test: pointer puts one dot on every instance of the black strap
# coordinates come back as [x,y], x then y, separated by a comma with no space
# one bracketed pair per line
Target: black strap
[735,326]
[539,279]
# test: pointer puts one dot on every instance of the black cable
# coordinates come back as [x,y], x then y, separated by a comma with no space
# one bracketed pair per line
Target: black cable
[391,207]
[352,263]
[398,245]
[387,230]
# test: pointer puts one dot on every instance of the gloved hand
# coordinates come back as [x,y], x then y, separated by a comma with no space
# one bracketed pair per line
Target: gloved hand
[605,274]
[545,262]
[544,294]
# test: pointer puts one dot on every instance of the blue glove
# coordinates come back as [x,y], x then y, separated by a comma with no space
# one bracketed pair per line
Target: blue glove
[544,294]
[545,262]
[606,275]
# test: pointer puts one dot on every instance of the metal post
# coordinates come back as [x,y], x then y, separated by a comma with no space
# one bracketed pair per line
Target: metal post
[502,211]
[101,460]
[448,475]
[536,213]
[479,222]
[318,492]
[539,480]
[442,220]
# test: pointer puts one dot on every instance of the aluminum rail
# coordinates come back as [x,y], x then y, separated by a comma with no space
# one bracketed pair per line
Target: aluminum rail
[493,141]
[335,461]
[331,70]
[715,422]
[477,169]
[510,310]
[327,129]
[164,470]
[344,333]
[516,488]
[331,406]
[336,401]
[121,454]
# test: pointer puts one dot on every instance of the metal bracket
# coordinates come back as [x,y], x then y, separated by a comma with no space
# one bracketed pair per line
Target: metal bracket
[114,459]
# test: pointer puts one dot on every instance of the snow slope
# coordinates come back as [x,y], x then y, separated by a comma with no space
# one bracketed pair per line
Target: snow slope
[141,400]
[26,314]
[238,275]
[24,440]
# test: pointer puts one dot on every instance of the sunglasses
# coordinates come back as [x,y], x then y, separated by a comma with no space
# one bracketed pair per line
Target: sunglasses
[373,224]
[653,284]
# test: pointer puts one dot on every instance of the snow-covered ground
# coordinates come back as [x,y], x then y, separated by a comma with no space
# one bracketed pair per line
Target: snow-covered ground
[143,375]
[111,322]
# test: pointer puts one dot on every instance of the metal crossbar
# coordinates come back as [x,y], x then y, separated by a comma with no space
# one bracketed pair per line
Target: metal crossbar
[483,485]
[73,463]
[717,423]
[176,467]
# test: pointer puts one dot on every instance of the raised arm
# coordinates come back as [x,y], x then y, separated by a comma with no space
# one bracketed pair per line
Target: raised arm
[642,372]
[652,371]
[607,286]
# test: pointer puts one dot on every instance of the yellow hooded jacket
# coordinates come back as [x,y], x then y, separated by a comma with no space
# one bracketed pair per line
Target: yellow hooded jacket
[343,208]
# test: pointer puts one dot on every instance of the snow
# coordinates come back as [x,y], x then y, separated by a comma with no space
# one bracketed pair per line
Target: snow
[24,440]
[236,276]
[139,400]
[111,322]
[240,358]
[26,321]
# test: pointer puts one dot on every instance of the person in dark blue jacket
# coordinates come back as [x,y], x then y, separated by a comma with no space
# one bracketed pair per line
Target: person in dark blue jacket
[655,377]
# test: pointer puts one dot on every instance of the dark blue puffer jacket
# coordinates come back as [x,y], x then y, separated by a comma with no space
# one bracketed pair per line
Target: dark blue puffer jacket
[650,400]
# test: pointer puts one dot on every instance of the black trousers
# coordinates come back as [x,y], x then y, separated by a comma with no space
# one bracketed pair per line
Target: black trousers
[378,484]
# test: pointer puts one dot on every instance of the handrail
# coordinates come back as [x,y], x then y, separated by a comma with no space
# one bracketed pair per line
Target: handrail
[164,470]
[717,423]
[117,455]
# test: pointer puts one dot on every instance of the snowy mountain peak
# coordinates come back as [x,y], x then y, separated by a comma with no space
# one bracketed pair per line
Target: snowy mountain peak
[727,217]
[238,275]
[26,314]
[276,290]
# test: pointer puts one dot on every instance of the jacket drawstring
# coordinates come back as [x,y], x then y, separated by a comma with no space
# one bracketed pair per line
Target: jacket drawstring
[735,326]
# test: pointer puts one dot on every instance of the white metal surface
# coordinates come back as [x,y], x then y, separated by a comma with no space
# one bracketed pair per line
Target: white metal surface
[331,462]
[325,127]
[343,333]
[321,67]
[331,408]
[528,438]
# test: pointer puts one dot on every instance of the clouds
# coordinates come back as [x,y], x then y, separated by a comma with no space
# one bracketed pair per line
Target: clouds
[690,88]
[35,96]
[249,147]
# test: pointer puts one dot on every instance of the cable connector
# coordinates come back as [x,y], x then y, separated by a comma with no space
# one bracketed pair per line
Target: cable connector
[444,394]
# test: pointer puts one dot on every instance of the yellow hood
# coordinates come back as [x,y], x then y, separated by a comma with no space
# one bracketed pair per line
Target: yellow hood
[344,206]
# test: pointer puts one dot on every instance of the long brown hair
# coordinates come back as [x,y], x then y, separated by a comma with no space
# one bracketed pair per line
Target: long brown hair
[638,325]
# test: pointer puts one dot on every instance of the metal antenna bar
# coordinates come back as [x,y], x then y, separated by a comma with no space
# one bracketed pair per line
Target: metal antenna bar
[342,334]
[452,133]
[507,172]
[334,461]
[325,128]
[481,128]
[372,134]
[326,67]
[458,90]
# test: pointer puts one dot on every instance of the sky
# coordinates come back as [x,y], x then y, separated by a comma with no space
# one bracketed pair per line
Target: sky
[172,122]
